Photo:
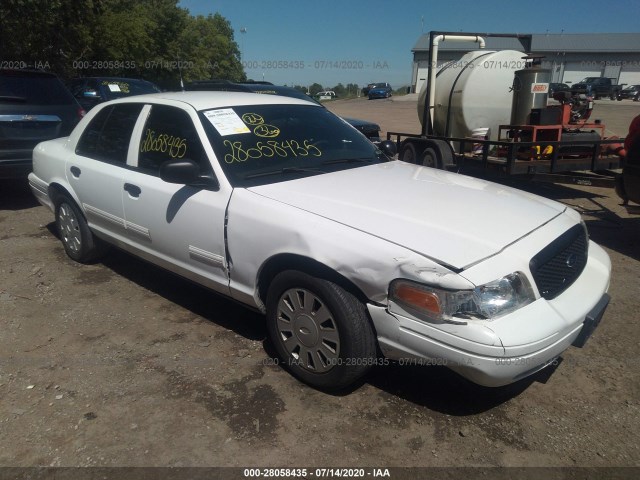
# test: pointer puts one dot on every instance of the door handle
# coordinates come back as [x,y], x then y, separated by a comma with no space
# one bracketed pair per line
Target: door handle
[75,171]
[133,190]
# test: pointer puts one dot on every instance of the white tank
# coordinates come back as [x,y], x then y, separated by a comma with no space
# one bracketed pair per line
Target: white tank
[474,92]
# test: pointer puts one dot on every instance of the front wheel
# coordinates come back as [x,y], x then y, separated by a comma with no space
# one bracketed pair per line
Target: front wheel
[320,331]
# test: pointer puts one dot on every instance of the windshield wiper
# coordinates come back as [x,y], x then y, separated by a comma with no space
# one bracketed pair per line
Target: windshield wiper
[10,98]
[348,160]
[282,171]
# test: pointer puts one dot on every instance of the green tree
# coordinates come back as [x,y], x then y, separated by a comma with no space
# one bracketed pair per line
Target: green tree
[153,39]
[208,46]
[340,90]
[352,89]
[47,33]
[315,88]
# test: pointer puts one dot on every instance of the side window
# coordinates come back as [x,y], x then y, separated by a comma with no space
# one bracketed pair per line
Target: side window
[107,136]
[169,134]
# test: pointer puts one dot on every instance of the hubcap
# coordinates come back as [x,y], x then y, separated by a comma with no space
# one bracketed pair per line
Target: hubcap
[308,330]
[428,160]
[69,228]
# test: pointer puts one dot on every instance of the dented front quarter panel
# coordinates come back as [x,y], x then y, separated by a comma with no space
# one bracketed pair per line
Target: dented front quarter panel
[260,228]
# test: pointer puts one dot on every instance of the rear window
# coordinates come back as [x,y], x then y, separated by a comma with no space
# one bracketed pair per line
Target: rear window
[33,89]
[119,88]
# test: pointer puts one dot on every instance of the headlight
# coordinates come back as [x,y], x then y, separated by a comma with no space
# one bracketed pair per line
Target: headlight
[485,302]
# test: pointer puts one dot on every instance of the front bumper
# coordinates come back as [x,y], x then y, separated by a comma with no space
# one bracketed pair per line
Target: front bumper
[507,349]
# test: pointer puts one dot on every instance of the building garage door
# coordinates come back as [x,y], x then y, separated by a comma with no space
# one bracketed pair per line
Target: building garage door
[576,71]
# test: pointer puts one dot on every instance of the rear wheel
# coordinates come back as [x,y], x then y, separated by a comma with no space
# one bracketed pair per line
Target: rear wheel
[437,154]
[408,153]
[321,332]
[78,241]
[430,158]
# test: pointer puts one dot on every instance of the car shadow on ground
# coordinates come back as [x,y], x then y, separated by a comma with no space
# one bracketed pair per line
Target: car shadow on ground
[442,390]
[188,295]
[433,387]
[15,194]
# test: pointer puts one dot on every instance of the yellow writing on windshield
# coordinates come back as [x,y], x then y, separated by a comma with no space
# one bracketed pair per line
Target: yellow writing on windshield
[270,148]
[261,129]
[266,131]
[252,119]
[175,147]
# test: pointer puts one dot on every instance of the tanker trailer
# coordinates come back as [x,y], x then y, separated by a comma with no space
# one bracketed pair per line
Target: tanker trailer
[473,93]
[501,95]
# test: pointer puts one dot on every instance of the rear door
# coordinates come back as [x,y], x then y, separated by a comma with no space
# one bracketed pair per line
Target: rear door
[96,170]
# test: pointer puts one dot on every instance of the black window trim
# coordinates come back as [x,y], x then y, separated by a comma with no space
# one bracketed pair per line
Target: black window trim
[124,164]
[211,180]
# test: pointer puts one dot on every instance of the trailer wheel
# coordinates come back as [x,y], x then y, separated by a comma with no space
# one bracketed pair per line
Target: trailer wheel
[438,154]
[431,158]
[408,153]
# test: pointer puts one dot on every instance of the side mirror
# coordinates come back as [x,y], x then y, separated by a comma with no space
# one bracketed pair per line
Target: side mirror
[388,148]
[180,171]
[185,172]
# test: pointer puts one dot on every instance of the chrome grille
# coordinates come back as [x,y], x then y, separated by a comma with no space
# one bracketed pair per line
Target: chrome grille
[559,264]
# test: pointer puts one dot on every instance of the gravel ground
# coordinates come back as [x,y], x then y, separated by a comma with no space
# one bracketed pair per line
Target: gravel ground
[122,364]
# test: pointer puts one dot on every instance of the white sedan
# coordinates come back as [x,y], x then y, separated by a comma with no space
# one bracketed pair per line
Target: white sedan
[355,259]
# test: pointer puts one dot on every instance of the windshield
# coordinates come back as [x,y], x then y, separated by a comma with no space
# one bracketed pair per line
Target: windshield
[118,88]
[589,80]
[260,144]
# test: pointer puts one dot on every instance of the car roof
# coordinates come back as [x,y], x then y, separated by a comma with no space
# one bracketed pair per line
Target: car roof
[127,79]
[203,100]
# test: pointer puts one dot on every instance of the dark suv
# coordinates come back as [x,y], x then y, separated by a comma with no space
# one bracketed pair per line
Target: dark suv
[34,106]
[90,91]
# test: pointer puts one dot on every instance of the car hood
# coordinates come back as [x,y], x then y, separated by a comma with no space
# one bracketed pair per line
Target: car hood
[453,219]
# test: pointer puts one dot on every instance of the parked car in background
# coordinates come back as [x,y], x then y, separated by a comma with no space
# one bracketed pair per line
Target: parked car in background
[630,92]
[279,204]
[380,90]
[628,183]
[369,129]
[365,90]
[34,106]
[558,87]
[597,87]
[326,95]
[90,91]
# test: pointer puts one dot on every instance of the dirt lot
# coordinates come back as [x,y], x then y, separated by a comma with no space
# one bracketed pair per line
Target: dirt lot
[122,364]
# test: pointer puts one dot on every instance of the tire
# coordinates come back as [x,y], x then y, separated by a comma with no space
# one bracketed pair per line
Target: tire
[408,153]
[76,237]
[431,158]
[321,332]
[437,154]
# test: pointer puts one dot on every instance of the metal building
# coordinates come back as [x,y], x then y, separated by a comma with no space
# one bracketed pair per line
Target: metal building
[570,56]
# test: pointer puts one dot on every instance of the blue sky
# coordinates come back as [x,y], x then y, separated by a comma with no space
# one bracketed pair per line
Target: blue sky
[358,41]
